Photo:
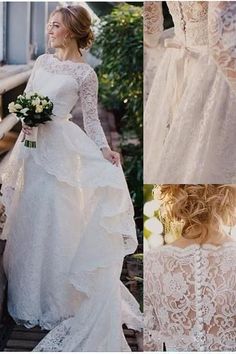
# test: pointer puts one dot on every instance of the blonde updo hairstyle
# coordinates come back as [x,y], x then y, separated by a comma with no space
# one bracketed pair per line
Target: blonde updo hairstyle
[78,21]
[196,207]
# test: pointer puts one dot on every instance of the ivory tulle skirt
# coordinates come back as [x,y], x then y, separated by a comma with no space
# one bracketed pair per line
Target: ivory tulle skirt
[69,225]
[190,125]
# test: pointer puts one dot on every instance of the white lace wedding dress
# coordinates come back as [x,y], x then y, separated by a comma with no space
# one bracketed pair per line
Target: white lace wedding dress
[190,125]
[69,222]
[190,297]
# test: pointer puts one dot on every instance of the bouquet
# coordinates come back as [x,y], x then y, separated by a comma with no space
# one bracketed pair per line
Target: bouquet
[33,109]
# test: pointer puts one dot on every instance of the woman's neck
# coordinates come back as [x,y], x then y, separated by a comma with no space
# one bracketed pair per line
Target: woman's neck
[215,235]
[69,53]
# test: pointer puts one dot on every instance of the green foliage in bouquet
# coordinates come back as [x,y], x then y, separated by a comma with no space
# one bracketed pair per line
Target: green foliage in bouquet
[32,108]
[120,48]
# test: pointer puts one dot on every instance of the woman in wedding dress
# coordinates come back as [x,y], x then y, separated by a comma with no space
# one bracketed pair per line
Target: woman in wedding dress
[69,214]
[190,126]
[190,285]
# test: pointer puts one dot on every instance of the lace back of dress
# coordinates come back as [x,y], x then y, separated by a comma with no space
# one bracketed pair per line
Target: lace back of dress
[195,305]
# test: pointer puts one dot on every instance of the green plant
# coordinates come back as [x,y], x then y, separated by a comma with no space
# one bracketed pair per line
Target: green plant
[120,48]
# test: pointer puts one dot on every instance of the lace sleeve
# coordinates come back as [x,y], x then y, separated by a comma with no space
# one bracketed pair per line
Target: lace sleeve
[222,37]
[153,22]
[88,95]
[29,86]
[152,340]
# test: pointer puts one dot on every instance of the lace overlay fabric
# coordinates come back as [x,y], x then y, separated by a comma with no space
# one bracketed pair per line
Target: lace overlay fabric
[69,222]
[153,22]
[84,81]
[198,23]
[222,37]
[191,73]
[190,22]
[188,11]
[190,297]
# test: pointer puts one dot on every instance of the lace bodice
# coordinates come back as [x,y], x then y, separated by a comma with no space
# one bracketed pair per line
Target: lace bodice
[190,20]
[64,82]
[190,297]
[197,24]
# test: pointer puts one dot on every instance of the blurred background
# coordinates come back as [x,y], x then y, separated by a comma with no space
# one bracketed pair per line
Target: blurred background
[117,57]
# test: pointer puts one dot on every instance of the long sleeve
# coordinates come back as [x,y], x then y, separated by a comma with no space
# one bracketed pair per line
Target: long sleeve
[88,96]
[222,37]
[29,86]
[152,340]
[153,22]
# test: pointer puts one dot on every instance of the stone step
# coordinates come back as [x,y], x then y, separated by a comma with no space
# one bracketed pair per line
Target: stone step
[34,336]
[33,330]
[21,344]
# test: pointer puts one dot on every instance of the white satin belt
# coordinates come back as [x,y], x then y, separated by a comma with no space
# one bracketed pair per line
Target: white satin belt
[179,77]
[194,51]
[65,118]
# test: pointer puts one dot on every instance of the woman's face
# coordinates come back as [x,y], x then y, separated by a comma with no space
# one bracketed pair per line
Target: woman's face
[57,32]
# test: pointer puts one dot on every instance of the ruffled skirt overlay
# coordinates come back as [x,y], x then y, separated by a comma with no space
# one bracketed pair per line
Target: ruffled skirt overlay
[190,121]
[69,225]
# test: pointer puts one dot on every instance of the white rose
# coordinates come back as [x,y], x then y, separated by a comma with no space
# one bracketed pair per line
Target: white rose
[44,103]
[18,106]
[39,109]
[37,99]
[24,110]
[36,102]
[11,107]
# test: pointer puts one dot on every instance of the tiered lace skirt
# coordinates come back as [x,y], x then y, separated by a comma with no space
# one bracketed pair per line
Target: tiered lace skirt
[69,225]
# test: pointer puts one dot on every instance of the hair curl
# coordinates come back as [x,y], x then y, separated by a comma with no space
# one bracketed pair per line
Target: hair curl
[197,206]
[78,21]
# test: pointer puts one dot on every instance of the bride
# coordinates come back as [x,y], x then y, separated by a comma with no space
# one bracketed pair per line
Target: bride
[190,110]
[190,285]
[69,214]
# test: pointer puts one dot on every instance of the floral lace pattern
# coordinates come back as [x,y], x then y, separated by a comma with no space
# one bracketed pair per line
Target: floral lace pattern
[152,21]
[190,297]
[192,75]
[69,221]
[188,11]
[76,334]
[87,90]
[153,18]
[222,34]
[199,23]
[190,21]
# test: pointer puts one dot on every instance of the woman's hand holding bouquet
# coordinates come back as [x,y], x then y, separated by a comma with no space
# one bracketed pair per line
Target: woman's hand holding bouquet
[33,109]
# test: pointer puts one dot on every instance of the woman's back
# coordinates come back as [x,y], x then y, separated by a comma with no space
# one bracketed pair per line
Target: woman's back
[190,298]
